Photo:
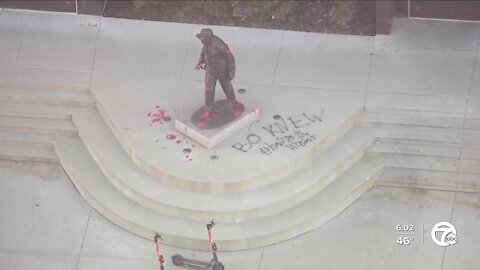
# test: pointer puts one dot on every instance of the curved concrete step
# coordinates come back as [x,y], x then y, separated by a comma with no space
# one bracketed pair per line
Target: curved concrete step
[106,199]
[143,221]
[329,203]
[142,188]
[37,125]
[19,152]
[60,98]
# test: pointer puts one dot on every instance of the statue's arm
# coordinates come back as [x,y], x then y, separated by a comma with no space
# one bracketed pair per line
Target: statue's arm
[231,63]
[201,61]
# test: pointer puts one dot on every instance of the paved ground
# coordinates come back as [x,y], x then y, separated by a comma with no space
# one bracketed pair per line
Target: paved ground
[45,224]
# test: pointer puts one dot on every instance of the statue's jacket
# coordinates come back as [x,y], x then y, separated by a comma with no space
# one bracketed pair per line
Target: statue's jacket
[218,59]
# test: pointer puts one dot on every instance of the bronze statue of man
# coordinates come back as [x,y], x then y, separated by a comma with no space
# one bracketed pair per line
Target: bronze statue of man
[219,63]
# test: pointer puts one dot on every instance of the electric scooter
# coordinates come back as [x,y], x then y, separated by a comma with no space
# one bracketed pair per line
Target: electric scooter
[214,264]
[159,252]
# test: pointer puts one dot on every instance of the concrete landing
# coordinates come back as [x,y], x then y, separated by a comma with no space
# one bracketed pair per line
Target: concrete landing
[288,133]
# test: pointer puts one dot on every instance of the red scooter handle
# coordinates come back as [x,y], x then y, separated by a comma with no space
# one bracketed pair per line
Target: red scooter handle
[210,236]
[161,260]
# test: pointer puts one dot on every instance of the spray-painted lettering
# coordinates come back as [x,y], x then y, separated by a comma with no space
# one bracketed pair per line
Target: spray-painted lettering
[286,132]
[251,140]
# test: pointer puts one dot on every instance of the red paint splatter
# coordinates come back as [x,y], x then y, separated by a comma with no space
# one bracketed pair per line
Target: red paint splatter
[187,156]
[157,116]
[179,141]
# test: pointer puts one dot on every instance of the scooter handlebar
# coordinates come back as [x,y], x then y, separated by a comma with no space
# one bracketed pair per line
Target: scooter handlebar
[157,236]
[210,225]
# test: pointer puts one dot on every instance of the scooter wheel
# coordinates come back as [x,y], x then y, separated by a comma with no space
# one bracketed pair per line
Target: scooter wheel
[178,260]
[218,266]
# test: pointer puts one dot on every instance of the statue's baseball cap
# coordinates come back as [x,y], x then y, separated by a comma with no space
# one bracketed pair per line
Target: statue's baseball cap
[205,32]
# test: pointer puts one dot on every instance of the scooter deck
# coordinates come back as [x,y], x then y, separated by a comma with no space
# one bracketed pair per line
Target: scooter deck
[179,260]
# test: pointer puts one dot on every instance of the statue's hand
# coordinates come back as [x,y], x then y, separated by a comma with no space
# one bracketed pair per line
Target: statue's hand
[200,66]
